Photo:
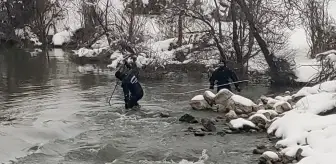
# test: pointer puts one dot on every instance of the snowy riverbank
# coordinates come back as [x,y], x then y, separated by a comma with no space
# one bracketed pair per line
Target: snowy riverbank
[304,122]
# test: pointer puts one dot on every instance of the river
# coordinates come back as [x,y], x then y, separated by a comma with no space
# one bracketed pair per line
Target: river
[61,115]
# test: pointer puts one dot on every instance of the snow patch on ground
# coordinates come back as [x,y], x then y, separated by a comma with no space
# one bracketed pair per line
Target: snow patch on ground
[62,37]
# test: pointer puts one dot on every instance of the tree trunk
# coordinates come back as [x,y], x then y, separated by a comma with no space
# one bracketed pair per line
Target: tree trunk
[220,33]
[180,29]
[262,44]
[235,41]
[130,29]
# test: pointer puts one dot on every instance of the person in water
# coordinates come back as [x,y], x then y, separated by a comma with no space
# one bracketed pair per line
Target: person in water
[221,76]
[132,89]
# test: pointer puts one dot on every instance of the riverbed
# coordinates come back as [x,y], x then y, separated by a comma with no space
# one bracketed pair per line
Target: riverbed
[60,114]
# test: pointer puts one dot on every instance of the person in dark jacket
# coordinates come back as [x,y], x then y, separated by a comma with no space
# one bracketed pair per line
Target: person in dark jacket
[221,76]
[132,89]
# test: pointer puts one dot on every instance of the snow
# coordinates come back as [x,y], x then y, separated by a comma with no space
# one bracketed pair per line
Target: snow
[117,57]
[302,128]
[328,86]
[26,33]
[62,37]
[100,43]
[198,98]
[242,100]
[84,52]
[316,103]
[283,98]
[240,122]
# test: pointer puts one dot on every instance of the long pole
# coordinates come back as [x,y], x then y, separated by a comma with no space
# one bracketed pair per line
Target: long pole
[115,87]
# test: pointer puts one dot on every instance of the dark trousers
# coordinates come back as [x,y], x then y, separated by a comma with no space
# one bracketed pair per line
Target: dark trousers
[133,101]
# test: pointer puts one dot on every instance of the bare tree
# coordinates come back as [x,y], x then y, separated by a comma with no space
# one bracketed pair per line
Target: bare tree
[45,13]
[317,24]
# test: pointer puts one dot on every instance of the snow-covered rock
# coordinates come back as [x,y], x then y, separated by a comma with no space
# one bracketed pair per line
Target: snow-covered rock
[259,119]
[270,156]
[272,113]
[241,123]
[237,103]
[209,97]
[199,103]
[62,37]
[282,106]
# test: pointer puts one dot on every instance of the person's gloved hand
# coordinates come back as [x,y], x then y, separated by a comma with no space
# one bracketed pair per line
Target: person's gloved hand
[211,87]
[238,89]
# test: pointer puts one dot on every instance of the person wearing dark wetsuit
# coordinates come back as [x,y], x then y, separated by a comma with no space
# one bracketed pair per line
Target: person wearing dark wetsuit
[132,89]
[222,75]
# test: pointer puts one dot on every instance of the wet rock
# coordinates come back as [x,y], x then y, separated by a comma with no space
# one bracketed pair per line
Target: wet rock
[244,116]
[269,157]
[222,133]
[261,147]
[164,115]
[208,125]
[267,115]
[109,153]
[199,103]
[199,133]
[188,118]
[258,151]
[282,106]
[260,120]
[231,115]
[298,154]
[253,130]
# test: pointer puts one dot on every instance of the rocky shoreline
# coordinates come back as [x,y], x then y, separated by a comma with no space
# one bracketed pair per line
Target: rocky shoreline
[240,115]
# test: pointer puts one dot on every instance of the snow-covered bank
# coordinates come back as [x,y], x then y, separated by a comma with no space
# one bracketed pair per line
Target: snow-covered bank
[302,128]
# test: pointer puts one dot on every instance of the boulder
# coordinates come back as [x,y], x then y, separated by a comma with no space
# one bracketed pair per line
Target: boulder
[209,97]
[188,118]
[208,125]
[282,106]
[164,114]
[269,102]
[231,115]
[237,103]
[271,113]
[199,103]
[269,156]
[259,119]
[242,124]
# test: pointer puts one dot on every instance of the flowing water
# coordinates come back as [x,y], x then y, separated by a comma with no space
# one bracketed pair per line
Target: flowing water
[61,115]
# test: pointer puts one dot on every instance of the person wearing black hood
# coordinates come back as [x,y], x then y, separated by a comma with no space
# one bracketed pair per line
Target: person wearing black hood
[132,89]
[221,76]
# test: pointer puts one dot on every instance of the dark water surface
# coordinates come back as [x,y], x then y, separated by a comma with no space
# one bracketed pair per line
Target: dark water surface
[62,117]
